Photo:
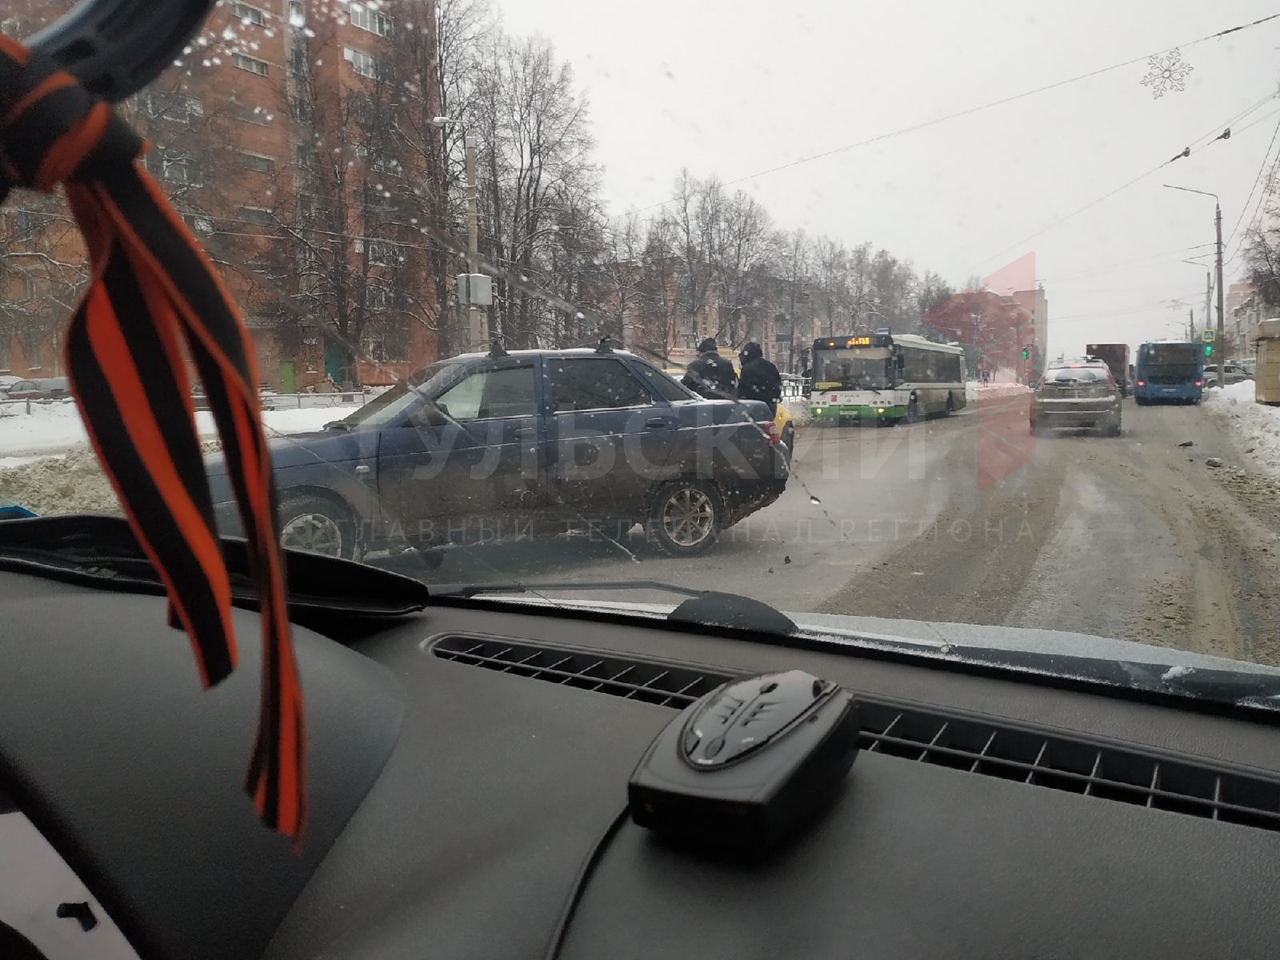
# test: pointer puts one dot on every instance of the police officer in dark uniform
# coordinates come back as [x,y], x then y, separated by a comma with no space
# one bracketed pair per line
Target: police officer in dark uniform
[711,375]
[760,379]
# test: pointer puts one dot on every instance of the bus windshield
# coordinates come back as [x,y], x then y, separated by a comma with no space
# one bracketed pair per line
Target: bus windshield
[852,369]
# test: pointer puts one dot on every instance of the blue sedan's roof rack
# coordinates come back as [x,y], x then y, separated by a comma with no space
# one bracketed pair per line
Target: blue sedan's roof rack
[117,47]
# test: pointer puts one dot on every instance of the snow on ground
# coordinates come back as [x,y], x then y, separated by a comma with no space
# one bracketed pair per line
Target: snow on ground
[1255,425]
[57,428]
[974,391]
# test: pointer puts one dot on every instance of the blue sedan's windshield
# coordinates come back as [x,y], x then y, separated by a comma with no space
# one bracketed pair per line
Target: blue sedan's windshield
[386,407]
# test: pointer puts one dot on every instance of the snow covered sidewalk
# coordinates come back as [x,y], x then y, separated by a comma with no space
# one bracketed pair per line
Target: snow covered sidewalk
[1256,426]
[985,391]
[47,466]
[56,427]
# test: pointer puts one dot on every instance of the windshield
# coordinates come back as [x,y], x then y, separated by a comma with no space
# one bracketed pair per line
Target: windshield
[389,405]
[851,369]
[793,352]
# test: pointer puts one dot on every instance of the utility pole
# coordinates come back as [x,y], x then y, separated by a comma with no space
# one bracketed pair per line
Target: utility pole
[473,289]
[1217,225]
[478,331]
[1208,295]
[1222,339]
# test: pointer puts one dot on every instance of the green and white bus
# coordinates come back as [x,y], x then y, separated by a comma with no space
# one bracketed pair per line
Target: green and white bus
[884,378]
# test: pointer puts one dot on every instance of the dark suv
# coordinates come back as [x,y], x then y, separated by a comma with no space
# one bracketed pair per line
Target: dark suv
[499,446]
[1077,393]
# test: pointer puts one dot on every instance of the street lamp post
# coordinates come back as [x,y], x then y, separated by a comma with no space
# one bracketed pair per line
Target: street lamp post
[477,331]
[1217,223]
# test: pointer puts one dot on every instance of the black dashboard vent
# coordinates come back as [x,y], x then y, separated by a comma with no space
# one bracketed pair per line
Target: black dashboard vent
[650,681]
[962,743]
[1073,765]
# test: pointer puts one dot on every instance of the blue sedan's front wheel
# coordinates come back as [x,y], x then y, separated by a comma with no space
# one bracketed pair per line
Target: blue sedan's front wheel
[316,525]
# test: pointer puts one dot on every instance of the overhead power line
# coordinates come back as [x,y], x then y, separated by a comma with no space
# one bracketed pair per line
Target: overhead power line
[925,124]
[1262,198]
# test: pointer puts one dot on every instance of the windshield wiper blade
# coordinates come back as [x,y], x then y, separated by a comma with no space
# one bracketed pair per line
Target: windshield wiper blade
[468,590]
[706,608]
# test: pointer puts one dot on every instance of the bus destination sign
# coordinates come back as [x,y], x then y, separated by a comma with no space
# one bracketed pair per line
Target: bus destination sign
[862,340]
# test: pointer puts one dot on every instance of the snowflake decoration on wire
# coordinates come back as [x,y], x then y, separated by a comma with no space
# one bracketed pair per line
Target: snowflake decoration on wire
[1168,72]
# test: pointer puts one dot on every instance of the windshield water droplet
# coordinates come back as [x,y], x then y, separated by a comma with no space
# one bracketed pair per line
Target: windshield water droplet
[228,34]
[813,499]
[297,18]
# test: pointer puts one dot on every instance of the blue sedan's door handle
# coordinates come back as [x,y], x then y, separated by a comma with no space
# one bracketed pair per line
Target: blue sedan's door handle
[654,423]
[117,47]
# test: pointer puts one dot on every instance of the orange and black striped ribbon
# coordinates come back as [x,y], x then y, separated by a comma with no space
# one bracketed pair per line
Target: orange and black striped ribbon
[151,291]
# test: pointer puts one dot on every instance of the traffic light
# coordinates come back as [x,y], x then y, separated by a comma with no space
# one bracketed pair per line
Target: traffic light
[1208,349]
[1025,353]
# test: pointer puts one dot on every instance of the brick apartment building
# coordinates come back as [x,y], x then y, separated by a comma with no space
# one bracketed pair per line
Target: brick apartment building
[294,139]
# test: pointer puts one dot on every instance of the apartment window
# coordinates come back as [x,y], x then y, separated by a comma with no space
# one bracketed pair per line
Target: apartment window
[298,61]
[363,63]
[24,222]
[387,165]
[255,214]
[248,15]
[32,351]
[381,252]
[297,16]
[377,298]
[300,109]
[258,164]
[10,27]
[371,20]
[169,105]
[252,64]
[198,224]
[178,171]
[362,109]
[250,114]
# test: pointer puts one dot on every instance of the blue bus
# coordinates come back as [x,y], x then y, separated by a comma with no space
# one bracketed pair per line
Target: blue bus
[1169,372]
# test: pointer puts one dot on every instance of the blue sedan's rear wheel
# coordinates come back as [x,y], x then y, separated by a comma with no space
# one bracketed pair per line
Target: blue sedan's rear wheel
[686,517]
[316,525]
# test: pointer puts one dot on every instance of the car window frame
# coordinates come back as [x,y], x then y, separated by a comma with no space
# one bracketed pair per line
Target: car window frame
[654,399]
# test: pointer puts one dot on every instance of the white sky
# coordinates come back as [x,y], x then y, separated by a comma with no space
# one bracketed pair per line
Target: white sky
[735,87]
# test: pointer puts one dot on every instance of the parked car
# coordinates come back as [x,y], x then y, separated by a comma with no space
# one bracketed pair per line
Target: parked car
[486,446]
[1234,373]
[49,388]
[1077,393]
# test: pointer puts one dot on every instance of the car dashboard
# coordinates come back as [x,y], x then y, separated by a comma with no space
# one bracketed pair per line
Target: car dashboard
[985,815]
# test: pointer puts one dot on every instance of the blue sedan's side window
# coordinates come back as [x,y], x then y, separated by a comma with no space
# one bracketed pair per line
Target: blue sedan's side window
[594,383]
[490,394]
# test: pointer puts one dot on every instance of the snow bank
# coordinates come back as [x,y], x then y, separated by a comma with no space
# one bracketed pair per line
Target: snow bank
[1256,426]
[73,483]
[47,466]
[986,391]
[57,428]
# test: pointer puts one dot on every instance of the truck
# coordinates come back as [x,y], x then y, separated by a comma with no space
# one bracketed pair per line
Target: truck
[1116,357]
